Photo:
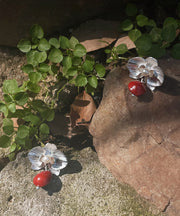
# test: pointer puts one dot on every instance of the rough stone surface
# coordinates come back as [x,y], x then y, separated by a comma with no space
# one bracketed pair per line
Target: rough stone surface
[137,139]
[84,188]
[98,33]
[16,18]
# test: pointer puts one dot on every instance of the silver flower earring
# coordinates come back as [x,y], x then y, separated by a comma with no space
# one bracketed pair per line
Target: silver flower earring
[146,70]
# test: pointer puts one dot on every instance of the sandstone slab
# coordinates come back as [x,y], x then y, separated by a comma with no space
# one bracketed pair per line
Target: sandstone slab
[99,33]
[137,139]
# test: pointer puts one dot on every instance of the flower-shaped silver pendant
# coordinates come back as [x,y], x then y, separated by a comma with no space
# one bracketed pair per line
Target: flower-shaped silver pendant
[48,157]
[146,70]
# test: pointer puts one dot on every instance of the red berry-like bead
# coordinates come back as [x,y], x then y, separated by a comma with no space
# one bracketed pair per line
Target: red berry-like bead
[136,88]
[42,179]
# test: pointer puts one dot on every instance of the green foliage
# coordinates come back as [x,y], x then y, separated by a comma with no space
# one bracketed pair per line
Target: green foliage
[64,58]
[150,39]
[127,25]
[116,52]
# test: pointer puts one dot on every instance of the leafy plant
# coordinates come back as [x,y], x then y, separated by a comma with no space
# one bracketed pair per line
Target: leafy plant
[63,58]
[116,53]
[150,39]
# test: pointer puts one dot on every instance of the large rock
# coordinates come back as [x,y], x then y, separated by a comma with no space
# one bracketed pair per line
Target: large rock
[84,188]
[16,17]
[137,139]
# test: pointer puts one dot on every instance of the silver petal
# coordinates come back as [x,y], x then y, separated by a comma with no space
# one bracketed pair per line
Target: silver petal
[152,82]
[36,167]
[60,160]
[151,63]
[158,73]
[35,154]
[49,148]
[133,66]
[59,164]
[151,87]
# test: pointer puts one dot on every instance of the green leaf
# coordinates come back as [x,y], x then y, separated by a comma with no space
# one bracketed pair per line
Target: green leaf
[35,77]
[44,45]
[54,42]
[33,87]
[54,69]
[4,109]
[24,45]
[34,119]
[12,107]
[10,86]
[71,71]
[67,62]
[23,131]
[142,53]
[93,81]
[41,56]
[131,9]
[142,20]
[170,21]
[20,142]
[169,33]
[5,141]
[31,57]
[55,55]
[43,67]
[8,128]
[109,60]
[144,42]
[27,68]
[38,105]
[73,42]
[36,31]
[81,80]
[7,98]
[76,61]
[127,25]
[89,89]
[134,34]
[156,51]
[35,42]
[175,51]
[100,69]
[64,42]
[21,98]
[155,34]
[13,147]
[151,22]
[107,51]
[121,49]
[48,114]
[88,64]
[44,128]
[79,50]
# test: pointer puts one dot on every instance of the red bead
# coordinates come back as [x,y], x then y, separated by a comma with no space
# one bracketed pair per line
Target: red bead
[42,179]
[136,88]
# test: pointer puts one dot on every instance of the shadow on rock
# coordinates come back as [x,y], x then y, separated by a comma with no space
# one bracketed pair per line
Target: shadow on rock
[54,186]
[73,167]
[147,97]
[170,86]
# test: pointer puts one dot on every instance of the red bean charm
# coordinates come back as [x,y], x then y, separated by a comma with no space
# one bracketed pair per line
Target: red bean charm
[42,179]
[136,88]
